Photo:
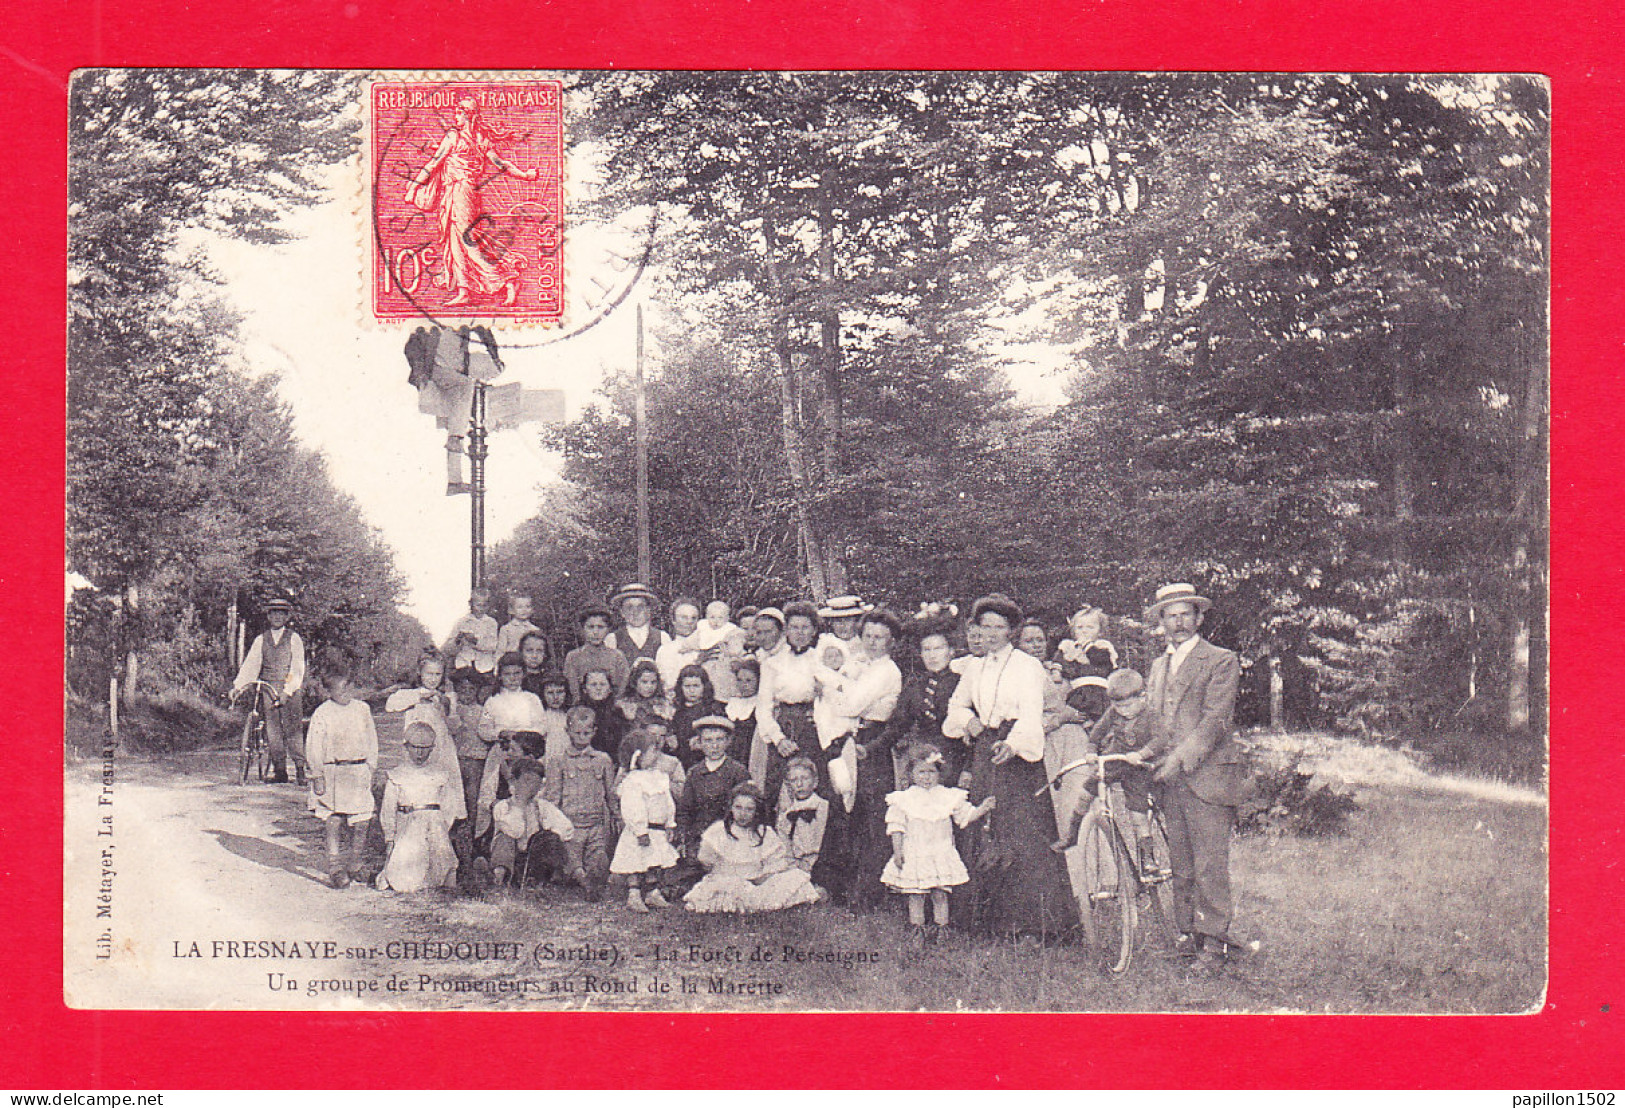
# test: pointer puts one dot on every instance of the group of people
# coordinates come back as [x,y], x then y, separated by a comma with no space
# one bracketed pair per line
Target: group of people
[778,757]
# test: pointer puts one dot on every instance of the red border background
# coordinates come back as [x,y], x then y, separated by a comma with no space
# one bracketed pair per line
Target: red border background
[1574,1043]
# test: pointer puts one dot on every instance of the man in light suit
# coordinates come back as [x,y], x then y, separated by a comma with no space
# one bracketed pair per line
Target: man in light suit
[1201,767]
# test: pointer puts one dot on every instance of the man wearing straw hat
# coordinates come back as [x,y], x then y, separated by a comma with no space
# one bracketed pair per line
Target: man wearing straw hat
[1201,767]
[637,637]
[277,658]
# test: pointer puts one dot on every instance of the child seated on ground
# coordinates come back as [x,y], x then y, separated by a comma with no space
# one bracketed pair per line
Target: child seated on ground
[920,820]
[416,818]
[341,746]
[497,783]
[581,784]
[1124,729]
[749,869]
[648,822]
[509,714]
[526,823]
[804,819]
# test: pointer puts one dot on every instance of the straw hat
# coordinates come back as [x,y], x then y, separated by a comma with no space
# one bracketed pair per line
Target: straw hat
[845,607]
[1179,592]
[637,590]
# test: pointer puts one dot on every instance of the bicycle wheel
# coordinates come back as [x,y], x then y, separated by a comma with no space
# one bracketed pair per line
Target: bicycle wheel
[1109,919]
[262,759]
[1157,878]
[246,755]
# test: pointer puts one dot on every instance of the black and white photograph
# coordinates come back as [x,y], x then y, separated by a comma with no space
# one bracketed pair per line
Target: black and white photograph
[756,541]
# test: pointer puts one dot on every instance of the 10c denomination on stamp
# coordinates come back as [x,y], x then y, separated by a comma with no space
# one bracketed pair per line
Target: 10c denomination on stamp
[466,200]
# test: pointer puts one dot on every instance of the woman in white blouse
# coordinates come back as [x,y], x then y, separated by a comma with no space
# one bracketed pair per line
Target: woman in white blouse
[1019,886]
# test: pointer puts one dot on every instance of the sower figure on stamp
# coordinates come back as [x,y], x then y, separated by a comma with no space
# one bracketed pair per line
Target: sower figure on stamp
[1201,768]
[278,659]
[475,263]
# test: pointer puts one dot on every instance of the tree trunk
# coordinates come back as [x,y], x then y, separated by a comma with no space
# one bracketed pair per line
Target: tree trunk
[128,637]
[1277,693]
[794,457]
[1404,457]
[1527,508]
[830,407]
[829,328]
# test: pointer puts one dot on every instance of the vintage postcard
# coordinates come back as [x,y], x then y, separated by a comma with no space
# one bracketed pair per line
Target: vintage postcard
[798,542]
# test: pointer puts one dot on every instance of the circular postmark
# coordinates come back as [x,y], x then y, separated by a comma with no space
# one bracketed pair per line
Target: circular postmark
[467,216]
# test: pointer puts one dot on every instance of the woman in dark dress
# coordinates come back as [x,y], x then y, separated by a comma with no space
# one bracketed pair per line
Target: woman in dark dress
[1019,886]
[924,705]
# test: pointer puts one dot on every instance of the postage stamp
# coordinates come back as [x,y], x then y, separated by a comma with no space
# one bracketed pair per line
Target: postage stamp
[466,200]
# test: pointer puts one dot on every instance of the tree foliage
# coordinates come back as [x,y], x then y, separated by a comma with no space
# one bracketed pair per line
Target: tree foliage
[188,493]
[1305,315]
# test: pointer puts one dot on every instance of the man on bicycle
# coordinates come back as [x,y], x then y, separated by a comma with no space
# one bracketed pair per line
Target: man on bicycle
[278,659]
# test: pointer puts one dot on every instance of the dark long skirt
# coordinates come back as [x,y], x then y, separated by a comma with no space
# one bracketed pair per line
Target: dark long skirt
[796,723]
[871,846]
[833,872]
[1018,885]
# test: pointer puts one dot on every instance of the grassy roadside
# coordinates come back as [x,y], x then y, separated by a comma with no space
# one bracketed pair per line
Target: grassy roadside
[1433,901]
[1431,904]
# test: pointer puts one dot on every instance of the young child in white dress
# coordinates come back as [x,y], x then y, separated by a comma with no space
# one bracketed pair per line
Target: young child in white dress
[416,818]
[749,867]
[920,820]
[341,746]
[433,704]
[648,818]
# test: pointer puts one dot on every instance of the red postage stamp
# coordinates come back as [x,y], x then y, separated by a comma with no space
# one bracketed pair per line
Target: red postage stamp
[466,200]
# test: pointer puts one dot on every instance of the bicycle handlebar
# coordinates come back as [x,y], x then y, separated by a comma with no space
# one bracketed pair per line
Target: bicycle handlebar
[1132,758]
[256,685]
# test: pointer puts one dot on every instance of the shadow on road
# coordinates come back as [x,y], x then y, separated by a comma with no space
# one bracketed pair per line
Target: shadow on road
[269,855]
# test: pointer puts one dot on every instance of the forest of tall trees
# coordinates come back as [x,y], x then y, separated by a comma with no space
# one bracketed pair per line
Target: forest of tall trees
[1303,319]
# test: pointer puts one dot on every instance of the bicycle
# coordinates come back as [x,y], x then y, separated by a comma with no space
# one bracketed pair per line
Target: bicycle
[1123,887]
[254,751]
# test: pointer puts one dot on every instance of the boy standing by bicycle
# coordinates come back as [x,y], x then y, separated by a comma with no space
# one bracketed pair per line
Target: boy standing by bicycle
[277,658]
